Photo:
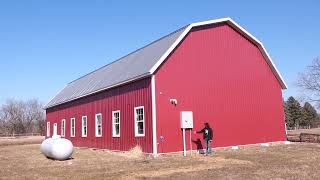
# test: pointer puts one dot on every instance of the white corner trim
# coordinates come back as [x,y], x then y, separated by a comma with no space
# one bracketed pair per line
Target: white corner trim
[233,24]
[154,116]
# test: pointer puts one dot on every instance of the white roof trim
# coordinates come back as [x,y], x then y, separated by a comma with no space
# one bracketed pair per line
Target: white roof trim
[239,29]
[228,20]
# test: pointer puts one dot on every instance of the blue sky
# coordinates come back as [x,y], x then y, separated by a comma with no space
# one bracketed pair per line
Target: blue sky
[46,44]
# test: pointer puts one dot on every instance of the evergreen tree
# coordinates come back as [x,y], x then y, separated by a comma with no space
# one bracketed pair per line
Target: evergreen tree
[310,114]
[287,114]
[295,113]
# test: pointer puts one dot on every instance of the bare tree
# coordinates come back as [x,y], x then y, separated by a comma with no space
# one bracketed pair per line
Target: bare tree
[33,115]
[309,82]
[13,116]
[22,116]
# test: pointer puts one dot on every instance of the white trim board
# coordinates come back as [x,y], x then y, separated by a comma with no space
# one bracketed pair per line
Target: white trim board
[236,26]
[154,116]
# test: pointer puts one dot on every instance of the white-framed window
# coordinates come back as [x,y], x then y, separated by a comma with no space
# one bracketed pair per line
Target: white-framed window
[55,129]
[63,128]
[139,126]
[98,122]
[116,123]
[72,127]
[84,128]
[48,129]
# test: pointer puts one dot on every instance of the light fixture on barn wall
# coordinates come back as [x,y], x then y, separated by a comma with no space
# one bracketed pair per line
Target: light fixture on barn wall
[173,101]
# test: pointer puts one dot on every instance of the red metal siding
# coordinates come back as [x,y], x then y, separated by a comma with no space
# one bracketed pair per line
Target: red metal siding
[223,78]
[123,98]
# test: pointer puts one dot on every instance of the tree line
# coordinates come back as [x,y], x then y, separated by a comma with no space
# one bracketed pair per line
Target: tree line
[297,116]
[19,117]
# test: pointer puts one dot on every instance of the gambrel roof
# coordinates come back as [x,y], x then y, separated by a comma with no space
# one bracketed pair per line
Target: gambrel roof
[142,63]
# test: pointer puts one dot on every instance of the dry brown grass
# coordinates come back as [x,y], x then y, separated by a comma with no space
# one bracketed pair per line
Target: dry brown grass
[295,161]
[6,141]
[299,131]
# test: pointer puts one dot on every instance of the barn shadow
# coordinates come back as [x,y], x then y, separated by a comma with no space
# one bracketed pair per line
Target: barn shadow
[70,158]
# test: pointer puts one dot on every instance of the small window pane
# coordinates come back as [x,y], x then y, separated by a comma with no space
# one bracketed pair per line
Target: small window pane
[117,129]
[140,127]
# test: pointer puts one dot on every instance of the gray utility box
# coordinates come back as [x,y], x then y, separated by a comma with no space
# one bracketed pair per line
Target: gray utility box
[186,119]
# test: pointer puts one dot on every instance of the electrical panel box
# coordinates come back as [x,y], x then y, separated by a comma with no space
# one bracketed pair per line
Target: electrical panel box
[186,119]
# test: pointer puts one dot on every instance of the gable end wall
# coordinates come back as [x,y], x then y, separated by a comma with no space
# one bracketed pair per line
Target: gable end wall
[224,79]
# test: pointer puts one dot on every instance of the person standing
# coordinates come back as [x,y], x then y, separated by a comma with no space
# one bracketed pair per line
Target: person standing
[207,137]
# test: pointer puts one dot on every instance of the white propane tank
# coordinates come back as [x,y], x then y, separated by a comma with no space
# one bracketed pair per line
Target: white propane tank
[57,148]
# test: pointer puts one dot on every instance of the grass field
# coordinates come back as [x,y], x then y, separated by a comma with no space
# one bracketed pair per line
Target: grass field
[298,131]
[278,161]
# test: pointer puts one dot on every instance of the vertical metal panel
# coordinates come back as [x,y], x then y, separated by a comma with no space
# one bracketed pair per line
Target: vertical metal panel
[222,77]
[123,98]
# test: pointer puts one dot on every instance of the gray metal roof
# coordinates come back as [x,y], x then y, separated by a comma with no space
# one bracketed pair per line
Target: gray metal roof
[143,62]
[134,65]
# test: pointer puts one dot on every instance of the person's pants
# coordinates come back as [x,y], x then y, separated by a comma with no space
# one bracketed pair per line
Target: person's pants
[208,146]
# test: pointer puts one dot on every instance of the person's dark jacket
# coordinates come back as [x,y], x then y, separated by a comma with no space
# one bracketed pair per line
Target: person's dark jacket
[207,133]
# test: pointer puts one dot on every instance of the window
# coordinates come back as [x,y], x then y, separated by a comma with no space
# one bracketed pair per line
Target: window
[55,129]
[63,127]
[139,121]
[116,123]
[98,125]
[73,127]
[48,129]
[84,126]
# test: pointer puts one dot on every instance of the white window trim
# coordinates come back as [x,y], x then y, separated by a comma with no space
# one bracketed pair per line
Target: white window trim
[48,129]
[63,128]
[55,129]
[72,135]
[113,124]
[82,127]
[135,123]
[96,125]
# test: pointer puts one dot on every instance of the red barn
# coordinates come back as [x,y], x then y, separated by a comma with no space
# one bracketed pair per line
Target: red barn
[216,69]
